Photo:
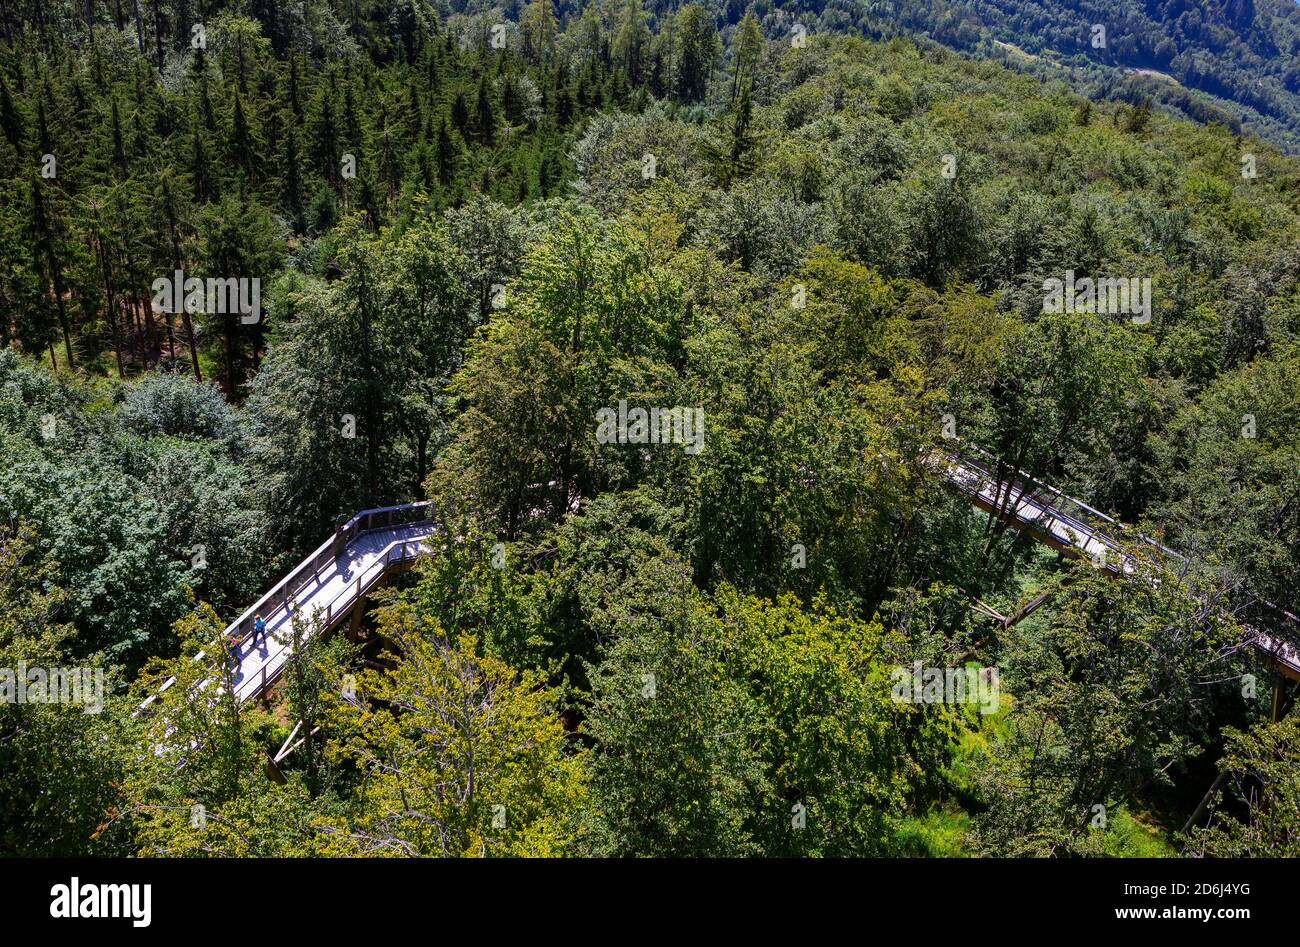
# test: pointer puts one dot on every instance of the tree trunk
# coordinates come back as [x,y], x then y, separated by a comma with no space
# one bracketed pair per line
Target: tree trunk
[185,313]
[421,459]
[114,317]
[171,335]
[57,281]
[139,27]
[194,349]
[40,26]
[157,33]
[229,325]
[151,327]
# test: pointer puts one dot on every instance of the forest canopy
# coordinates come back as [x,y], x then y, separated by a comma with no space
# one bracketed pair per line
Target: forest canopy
[475,233]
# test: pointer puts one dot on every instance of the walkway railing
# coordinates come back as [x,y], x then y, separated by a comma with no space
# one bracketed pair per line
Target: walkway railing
[1072,513]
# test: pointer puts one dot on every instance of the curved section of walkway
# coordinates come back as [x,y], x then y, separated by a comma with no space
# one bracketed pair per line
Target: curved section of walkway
[322,589]
[325,586]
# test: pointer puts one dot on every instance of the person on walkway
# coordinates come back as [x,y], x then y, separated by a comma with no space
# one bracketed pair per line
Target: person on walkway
[259,629]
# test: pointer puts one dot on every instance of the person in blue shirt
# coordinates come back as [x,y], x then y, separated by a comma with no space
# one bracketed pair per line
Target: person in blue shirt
[259,629]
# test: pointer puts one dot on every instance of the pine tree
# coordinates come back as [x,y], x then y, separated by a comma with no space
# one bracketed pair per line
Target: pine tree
[446,155]
[205,183]
[289,175]
[632,42]
[295,95]
[119,149]
[696,50]
[172,213]
[324,138]
[43,138]
[484,117]
[10,121]
[564,108]
[432,76]
[206,111]
[241,138]
[748,45]
[460,113]
[538,25]
[47,247]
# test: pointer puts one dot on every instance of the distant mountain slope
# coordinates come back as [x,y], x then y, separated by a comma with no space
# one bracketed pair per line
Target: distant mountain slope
[1243,53]
[1232,61]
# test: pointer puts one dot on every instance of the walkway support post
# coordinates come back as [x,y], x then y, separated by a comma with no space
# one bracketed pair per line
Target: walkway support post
[1205,801]
[354,626]
[1282,697]
[273,771]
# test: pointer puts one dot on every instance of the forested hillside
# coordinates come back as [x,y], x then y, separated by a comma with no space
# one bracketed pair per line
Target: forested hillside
[478,241]
[1229,61]
[1241,54]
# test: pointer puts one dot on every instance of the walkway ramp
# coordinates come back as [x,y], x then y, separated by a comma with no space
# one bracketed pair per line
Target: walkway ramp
[330,582]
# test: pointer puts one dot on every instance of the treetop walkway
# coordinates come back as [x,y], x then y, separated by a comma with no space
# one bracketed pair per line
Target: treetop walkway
[324,588]
[1075,529]
[334,581]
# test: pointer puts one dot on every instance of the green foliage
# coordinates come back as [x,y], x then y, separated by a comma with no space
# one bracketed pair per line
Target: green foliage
[200,786]
[350,396]
[60,762]
[832,254]
[1111,695]
[460,756]
[220,161]
[711,735]
[678,768]
[1230,474]
[128,513]
[175,406]
[1257,810]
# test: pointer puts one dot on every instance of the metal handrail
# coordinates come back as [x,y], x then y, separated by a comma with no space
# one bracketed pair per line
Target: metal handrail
[1031,479]
[327,553]
[1018,481]
[1055,512]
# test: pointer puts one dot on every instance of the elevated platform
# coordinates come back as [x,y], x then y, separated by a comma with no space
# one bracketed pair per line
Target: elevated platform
[323,588]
